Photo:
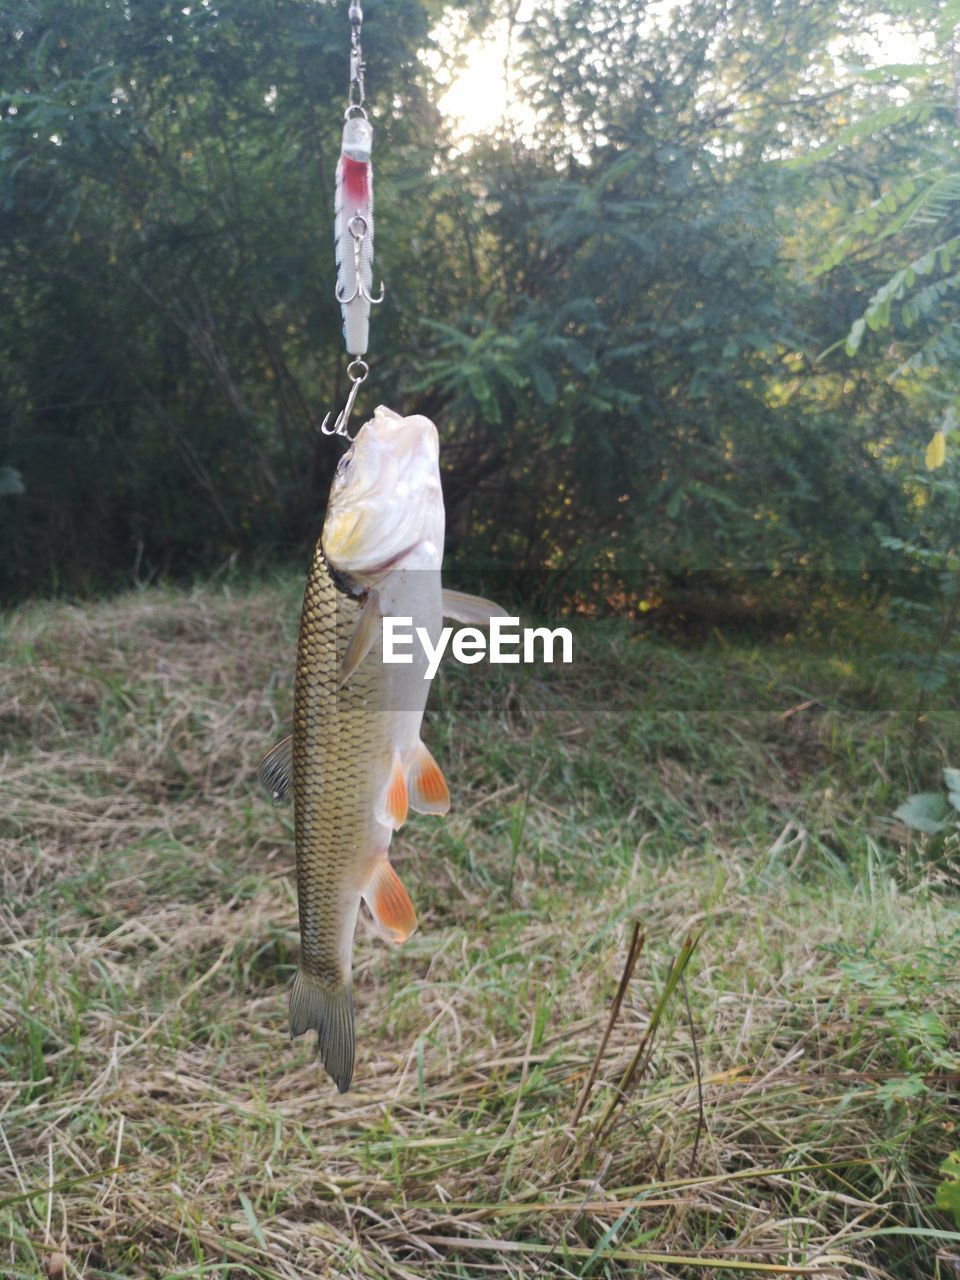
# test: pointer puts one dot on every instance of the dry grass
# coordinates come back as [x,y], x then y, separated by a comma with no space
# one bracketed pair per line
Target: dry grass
[156,1121]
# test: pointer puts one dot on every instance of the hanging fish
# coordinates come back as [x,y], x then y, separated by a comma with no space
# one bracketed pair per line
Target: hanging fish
[355,761]
[353,233]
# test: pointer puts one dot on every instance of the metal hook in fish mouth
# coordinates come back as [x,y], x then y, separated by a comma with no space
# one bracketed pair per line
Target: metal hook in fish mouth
[357,371]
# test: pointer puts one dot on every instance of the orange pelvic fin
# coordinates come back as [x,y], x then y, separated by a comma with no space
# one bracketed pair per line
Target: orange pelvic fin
[390,903]
[426,785]
[394,802]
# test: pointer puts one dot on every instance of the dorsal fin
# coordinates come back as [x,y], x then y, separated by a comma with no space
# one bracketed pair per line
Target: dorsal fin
[275,770]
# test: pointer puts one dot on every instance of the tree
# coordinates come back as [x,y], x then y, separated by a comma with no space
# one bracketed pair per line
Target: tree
[606,320]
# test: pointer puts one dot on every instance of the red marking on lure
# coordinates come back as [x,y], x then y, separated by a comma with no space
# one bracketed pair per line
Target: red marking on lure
[356,182]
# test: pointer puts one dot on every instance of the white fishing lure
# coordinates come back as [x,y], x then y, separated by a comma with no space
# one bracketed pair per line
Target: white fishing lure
[353,234]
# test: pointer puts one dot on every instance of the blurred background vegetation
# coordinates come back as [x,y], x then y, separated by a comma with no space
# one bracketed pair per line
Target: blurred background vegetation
[690,306]
[685,314]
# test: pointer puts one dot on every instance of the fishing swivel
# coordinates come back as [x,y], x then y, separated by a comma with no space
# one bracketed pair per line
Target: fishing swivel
[357,371]
[355,94]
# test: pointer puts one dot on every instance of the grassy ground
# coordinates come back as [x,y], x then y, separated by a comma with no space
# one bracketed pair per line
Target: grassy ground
[795,1092]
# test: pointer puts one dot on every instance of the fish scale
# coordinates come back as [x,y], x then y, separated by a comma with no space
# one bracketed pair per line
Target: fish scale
[338,743]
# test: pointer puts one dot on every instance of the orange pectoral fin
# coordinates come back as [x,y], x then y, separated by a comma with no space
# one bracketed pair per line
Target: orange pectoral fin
[426,785]
[390,903]
[394,803]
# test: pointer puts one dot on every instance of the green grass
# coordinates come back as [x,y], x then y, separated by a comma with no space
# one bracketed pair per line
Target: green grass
[156,1121]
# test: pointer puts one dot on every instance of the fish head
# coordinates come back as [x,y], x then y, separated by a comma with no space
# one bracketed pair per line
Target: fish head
[385,509]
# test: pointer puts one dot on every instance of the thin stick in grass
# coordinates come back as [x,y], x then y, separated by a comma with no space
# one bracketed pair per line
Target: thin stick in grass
[701,1116]
[636,946]
[641,1059]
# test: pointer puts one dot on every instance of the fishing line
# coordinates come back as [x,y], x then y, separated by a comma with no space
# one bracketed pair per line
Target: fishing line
[353,228]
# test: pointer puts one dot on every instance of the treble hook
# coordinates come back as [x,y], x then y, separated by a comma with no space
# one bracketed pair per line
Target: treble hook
[359,289]
[339,428]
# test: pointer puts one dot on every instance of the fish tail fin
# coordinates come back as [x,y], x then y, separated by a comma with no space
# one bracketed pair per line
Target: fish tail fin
[314,1006]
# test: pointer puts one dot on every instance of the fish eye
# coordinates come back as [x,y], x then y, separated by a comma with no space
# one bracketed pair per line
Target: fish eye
[344,462]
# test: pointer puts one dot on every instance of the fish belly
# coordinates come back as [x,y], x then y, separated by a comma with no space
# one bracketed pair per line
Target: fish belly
[415,594]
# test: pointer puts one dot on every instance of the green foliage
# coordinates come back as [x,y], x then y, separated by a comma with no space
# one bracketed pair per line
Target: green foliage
[928,811]
[948,1192]
[932,812]
[917,303]
[906,240]
[605,319]
[913,223]
[927,614]
[167,339]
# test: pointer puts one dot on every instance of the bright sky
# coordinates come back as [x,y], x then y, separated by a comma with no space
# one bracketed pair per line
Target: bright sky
[480,97]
